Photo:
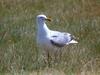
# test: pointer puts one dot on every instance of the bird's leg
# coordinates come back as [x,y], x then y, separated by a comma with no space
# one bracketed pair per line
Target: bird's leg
[44,57]
[60,54]
[56,55]
[48,59]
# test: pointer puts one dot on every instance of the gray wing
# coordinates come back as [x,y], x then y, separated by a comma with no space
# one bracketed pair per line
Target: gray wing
[60,39]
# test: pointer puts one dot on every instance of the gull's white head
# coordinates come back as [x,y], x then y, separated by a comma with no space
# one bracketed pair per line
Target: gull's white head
[42,18]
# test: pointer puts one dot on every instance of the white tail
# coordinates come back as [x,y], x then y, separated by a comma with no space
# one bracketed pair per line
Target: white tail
[71,42]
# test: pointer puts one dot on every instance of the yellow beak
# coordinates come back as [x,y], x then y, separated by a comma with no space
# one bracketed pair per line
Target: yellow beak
[48,19]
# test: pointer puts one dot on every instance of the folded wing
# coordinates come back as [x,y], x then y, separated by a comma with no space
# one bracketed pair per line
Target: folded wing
[62,39]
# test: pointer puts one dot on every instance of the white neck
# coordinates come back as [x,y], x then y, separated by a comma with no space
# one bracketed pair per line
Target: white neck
[42,28]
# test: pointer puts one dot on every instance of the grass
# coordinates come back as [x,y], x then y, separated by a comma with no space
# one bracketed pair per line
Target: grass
[19,54]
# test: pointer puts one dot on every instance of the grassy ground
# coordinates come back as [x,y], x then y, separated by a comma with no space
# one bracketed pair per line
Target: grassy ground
[19,54]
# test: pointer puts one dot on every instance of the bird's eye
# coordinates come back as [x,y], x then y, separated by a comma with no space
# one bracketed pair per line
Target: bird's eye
[41,17]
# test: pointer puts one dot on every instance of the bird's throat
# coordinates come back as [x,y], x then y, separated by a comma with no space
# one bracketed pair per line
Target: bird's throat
[42,28]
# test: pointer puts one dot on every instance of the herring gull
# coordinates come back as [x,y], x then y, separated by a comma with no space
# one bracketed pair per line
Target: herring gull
[49,38]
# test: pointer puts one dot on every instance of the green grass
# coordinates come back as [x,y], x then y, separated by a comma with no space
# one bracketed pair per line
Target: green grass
[19,54]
